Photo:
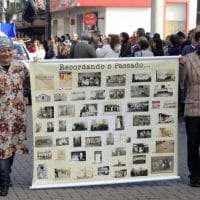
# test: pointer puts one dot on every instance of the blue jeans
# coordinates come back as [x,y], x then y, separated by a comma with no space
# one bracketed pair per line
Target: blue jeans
[5,169]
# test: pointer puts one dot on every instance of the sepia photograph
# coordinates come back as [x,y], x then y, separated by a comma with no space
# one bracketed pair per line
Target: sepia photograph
[165,132]
[98,156]
[85,173]
[163,91]
[99,125]
[142,106]
[42,98]
[112,108]
[60,97]
[44,155]
[141,77]
[50,126]
[166,146]
[92,79]
[62,125]
[93,141]
[110,139]
[65,80]
[77,141]
[162,164]
[120,173]
[144,133]
[170,104]
[155,104]
[43,141]
[116,80]
[62,173]
[103,171]
[78,156]
[119,123]
[62,141]
[44,82]
[88,110]
[46,112]
[59,154]
[66,110]
[139,171]
[97,95]
[140,91]
[78,96]
[139,159]
[42,171]
[141,120]
[165,75]
[165,118]
[140,148]
[38,127]
[80,126]
[119,151]
[117,93]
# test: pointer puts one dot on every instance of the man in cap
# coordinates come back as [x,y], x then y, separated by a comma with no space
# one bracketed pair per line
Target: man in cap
[12,111]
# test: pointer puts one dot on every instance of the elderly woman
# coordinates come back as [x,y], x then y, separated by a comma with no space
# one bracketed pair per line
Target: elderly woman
[12,111]
[190,78]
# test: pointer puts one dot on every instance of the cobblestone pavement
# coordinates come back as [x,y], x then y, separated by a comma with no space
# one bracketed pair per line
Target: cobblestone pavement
[163,190]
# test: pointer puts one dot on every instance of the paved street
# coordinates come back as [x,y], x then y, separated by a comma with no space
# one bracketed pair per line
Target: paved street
[171,190]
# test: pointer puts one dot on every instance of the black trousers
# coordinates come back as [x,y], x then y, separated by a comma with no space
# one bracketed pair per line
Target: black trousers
[193,144]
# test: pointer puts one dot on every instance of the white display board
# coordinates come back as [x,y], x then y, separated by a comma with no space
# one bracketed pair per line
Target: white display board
[104,121]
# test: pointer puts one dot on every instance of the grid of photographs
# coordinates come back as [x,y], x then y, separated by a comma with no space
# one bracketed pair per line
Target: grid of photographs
[100,125]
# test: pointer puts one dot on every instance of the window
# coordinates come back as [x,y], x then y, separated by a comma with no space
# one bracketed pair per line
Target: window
[198,13]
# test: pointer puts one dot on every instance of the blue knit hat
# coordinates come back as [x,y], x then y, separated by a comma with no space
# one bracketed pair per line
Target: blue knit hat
[6,43]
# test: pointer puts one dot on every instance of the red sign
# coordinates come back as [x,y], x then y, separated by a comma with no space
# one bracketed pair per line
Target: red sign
[90,19]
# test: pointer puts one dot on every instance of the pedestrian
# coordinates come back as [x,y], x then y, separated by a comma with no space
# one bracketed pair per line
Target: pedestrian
[125,45]
[190,78]
[12,109]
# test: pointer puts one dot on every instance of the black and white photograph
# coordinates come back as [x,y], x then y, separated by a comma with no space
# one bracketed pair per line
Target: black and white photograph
[46,112]
[61,173]
[140,148]
[59,154]
[80,126]
[78,96]
[98,156]
[78,156]
[141,120]
[144,133]
[100,125]
[139,159]
[77,141]
[140,91]
[97,95]
[112,108]
[38,127]
[62,125]
[60,97]
[42,171]
[43,141]
[93,141]
[50,126]
[165,132]
[166,146]
[65,80]
[120,173]
[103,171]
[85,173]
[62,141]
[117,93]
[66,110]
[142,106]
[119,123]
[110,139]
[44,155]
[155,104]
[163,91]
[128,140]
[42,98]
[89,79]
[120,163]
[116,80]
[139,171]
[88,110]
[165,75]
[141,77]
[119,151]
[165,118]
[162,164]
[169,104]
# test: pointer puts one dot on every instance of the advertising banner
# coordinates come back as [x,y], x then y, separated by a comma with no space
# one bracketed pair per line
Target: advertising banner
[104,121]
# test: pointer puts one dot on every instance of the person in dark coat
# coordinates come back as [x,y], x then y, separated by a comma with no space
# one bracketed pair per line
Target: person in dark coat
[125,45]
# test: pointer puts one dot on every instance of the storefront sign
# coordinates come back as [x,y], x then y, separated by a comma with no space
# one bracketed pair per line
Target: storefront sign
[90,19]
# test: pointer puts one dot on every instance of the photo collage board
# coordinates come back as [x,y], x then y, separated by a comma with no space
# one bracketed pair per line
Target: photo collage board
[104,121]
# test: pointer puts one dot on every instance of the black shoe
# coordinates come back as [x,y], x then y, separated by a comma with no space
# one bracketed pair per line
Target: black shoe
[194,182]
[4,190]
